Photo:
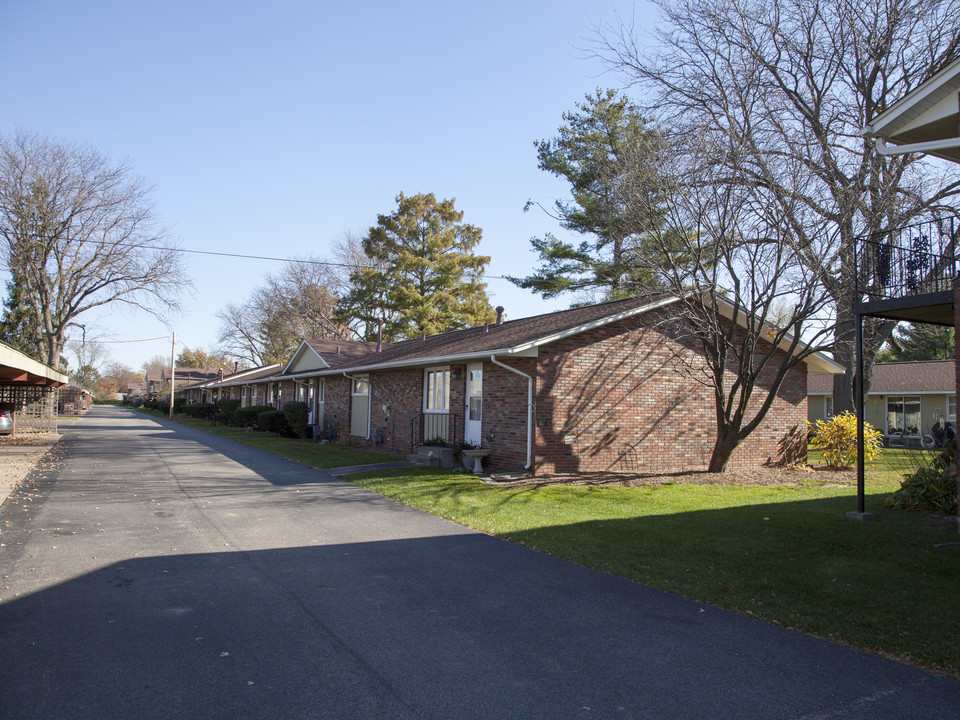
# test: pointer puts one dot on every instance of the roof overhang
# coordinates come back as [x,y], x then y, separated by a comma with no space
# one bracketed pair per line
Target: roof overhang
[926,120]
[817,362]
[527,349]
[19,369]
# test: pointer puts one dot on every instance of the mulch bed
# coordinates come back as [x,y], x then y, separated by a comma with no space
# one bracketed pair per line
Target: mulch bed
[771,476]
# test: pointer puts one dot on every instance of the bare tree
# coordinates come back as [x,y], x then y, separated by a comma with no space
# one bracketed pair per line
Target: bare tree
[744,295]
[88,351]
[785,88]
[79,232]
[296,303]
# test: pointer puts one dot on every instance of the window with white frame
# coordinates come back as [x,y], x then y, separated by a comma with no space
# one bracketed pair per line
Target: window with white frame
[952,408]
[828,407]
[361,386]
[903,414]
[437,390]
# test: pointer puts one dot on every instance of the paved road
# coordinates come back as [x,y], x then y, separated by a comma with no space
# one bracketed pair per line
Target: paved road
[177,575]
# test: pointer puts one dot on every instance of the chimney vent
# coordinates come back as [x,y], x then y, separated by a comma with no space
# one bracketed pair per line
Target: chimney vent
[338,349]
[486,327]
[499,310]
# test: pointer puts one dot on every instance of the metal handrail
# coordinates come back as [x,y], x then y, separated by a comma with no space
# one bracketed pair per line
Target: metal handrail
[418,423]
[913,260]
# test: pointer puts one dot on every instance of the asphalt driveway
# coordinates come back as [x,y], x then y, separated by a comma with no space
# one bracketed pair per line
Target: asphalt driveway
[159,572]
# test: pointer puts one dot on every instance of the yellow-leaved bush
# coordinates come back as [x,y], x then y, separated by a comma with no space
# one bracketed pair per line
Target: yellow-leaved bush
[836,439]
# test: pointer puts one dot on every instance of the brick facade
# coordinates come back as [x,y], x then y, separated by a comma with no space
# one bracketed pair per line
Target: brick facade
[621,397]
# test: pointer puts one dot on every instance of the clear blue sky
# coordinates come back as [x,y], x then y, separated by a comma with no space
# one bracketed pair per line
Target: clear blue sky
[272,128]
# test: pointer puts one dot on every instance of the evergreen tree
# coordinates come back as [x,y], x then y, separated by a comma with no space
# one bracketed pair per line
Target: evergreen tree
[606,152]
[911,342]
[424,277]
[18,326]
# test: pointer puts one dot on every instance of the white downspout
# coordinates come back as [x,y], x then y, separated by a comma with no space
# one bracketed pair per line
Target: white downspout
[369,399]
[493,359]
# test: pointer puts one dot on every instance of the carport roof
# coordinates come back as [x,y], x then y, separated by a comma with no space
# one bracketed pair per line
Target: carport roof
[19,369]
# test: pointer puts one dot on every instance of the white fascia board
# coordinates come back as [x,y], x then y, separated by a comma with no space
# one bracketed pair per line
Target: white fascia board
[590,326]
[817,363]
[913,103]
[241,378]
[436,360]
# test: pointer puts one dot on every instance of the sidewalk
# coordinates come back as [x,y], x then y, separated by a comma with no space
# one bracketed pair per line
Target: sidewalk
[19,455]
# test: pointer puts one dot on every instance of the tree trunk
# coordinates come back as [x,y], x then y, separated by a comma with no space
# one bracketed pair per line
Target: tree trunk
[727,442]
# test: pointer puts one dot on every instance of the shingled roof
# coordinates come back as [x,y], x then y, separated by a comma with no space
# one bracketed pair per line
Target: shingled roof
[510,337]
[899,378]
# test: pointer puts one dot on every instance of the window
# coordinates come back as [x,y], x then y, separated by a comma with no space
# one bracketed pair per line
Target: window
[828,407]
[437,390]
[361,386]
[952,408]
[475,394]
[903,415]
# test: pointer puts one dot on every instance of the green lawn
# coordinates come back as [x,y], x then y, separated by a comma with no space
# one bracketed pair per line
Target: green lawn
[308,453]
[787,555]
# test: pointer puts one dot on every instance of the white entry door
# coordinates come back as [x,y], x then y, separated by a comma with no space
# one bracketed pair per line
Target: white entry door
[474,412]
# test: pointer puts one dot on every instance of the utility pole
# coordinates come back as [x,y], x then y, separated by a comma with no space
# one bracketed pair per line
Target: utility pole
[173,372]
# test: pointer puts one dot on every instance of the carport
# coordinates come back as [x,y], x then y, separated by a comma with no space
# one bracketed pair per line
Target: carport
[31,390]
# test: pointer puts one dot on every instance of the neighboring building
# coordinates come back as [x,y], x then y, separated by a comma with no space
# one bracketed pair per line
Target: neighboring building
[908,396]
[159,382]
[244,385]
[605,387]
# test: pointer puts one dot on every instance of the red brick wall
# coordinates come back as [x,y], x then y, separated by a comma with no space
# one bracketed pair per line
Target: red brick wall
[626,397]
[622,397]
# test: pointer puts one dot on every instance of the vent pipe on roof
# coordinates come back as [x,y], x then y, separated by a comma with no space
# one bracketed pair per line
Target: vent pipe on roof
[236,364]
[379,334]
[499,310]
[338,349]
[486,327]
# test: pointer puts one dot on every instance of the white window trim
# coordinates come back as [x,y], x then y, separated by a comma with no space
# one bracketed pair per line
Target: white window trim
[445,369]
[362,379]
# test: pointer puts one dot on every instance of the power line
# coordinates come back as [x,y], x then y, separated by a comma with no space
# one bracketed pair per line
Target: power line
[243,256]
[120,342]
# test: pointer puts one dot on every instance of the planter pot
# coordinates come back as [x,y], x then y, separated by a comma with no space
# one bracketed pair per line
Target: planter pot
[467,461]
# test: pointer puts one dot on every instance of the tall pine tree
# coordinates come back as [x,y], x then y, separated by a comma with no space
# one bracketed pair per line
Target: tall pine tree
[429,281]
[607,153]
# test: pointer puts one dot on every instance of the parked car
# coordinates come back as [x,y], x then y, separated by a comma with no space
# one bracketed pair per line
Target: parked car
[6,422]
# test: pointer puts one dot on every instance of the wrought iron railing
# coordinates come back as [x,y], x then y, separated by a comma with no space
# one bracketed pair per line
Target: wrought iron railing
[429,426]
[914,260]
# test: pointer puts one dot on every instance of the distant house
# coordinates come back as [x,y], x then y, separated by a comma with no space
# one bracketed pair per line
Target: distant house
[604,387]
[904,396]
[244,385]
[159,382]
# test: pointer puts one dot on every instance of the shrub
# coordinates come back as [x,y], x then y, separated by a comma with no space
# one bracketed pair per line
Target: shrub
[273,421]
[297,414]
[247,416]
[836,439]
[932,487]
[438,441]
[199,410]
[227,411]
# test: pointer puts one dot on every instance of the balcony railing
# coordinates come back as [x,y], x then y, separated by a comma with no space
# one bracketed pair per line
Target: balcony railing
[914,260]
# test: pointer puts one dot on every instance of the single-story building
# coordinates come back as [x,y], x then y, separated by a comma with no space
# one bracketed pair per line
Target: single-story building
[904,396]
[244,385]
[603,387]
